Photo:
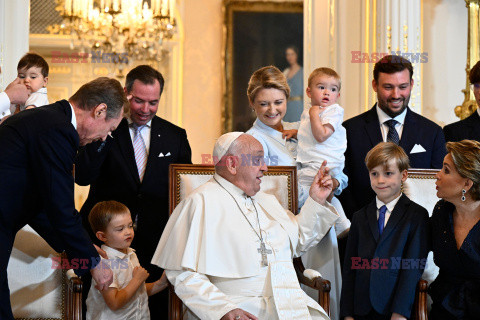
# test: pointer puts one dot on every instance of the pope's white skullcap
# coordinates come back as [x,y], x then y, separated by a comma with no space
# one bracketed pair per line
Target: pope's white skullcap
[222,144]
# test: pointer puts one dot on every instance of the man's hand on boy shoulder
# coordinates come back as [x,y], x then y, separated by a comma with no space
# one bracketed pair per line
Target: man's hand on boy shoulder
[289,134]
[103,276]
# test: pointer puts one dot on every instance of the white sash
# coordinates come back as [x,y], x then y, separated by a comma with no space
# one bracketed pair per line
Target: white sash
[289,298]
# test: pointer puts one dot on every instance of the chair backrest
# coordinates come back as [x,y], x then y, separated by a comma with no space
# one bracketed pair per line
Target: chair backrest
[36,288]
[280,181]
[420,188]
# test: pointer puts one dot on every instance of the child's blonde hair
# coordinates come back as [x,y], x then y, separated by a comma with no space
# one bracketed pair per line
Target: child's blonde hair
[383,152]
[325,72]
[103,212]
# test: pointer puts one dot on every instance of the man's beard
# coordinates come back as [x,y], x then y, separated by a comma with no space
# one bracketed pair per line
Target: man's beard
[384,106]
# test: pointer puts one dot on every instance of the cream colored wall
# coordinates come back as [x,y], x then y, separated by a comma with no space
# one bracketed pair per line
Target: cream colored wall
[14,28]
[202,74]
[445,40]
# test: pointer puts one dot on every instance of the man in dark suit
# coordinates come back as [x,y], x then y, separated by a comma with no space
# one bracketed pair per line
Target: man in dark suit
[132,168]
[38,148]
[468,128]
[390,119]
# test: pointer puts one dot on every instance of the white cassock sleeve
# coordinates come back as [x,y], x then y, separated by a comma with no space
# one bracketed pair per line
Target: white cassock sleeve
[200,295]
[314,221]
[4,105]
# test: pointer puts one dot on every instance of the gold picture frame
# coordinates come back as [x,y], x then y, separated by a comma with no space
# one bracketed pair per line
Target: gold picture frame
[276,25]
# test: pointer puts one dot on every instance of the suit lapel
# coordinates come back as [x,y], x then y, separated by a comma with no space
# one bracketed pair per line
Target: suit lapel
[409,132]
[372,127]
[371,212]
[126,148]
[156,143]
[396,215]
[473,130]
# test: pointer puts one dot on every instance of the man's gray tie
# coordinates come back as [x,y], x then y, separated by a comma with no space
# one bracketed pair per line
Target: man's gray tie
[392,135]
[140,151]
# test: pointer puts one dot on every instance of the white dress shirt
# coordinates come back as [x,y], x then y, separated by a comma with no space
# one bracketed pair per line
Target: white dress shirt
[145,133]
[74,118]
[389,206]
[383,117]
[4,105]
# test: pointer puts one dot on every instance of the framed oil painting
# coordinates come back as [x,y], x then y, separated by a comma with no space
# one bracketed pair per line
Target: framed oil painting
[256,34]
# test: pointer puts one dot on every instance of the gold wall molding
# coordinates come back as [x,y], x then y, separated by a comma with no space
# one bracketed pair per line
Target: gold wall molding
[469,105]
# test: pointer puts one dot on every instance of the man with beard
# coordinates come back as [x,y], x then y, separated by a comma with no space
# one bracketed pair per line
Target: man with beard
[390,119]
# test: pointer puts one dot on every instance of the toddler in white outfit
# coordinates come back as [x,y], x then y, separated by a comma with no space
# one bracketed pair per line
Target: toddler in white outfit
[32,71]
[321,137]
[127,296]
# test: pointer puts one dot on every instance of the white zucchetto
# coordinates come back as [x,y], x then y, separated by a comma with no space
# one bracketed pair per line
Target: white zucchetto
[222,144]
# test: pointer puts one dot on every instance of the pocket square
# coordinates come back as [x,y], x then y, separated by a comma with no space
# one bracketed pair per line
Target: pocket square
[161,155]
[417,149]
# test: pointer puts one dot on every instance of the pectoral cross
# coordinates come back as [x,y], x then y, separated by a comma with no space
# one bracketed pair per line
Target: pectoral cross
[264,251]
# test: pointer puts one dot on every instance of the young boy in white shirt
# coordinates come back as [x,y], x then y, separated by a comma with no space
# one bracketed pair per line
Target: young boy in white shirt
[127,296]
[32,71]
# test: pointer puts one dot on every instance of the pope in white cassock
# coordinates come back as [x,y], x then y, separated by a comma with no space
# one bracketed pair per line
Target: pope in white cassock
[228,248]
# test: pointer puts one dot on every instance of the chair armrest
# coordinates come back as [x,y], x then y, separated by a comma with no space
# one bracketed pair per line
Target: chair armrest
[74,281]
[176,309]
[318,283]
[420,304]
[73,297]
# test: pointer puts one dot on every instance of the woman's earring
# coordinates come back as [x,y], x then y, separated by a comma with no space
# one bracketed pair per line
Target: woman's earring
[463,194]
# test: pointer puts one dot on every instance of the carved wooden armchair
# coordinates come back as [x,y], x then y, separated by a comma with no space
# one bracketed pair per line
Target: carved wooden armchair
[39,287]
[280,181]
[420,188]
